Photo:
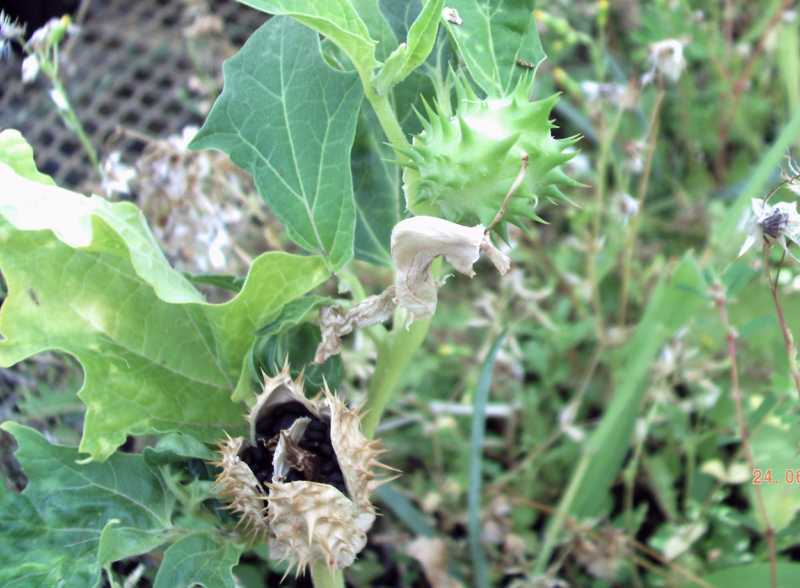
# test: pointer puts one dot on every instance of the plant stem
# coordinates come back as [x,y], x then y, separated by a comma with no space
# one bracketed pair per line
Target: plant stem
[718,294]
[394,354]
[69,116]
[323,577]
[386,117]
[644,179]
[788,340]
[562,514]
[607,138]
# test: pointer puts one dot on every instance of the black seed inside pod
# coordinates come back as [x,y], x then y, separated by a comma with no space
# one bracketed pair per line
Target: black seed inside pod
[319,463]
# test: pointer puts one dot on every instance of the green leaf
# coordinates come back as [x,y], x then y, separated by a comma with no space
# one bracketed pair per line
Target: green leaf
[775,449]
[497,41]
[336,19]
[200,558]
[672,305]
[289,119]
[71,518]
[85,277]
[293,314]
[19,155]
[379,28]
[674,302]
[377,192]
[413,53]
[752,576]
[177,447]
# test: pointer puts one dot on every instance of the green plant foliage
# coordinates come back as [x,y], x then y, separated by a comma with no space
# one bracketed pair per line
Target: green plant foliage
[293,132]
[336,19]
[411,54]
[74,518]
[376,183]
[497,40]
[155,357]
[201,558]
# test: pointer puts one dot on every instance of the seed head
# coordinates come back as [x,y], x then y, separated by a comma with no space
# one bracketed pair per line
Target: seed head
[308,462]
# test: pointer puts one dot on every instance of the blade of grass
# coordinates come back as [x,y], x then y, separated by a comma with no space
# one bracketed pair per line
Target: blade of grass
[673,303]
[480,572]
[404,510]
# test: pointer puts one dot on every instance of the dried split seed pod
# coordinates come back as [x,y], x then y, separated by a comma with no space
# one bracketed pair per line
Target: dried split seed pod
[309,462]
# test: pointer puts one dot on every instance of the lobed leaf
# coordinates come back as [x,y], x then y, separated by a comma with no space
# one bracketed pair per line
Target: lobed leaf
[86,277]
[289,119]
[73,518]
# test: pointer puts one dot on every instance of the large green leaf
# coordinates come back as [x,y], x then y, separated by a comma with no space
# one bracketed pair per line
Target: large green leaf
[201,558]
[376,181]
[497,40]
[289,119]
[336,19]
[413,53]
[86,277]
[51,534]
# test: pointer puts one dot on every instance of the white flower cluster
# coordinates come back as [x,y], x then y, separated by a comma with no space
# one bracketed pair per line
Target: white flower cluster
[195,202]
[11,31]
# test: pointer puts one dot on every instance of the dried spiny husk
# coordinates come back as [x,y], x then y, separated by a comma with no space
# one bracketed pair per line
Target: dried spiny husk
[307,521]
[239,486]
[461,167]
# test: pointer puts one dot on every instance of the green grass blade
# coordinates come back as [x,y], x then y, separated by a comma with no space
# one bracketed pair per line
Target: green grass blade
[481,579]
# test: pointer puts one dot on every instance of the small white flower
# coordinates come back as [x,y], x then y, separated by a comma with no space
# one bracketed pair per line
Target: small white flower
[451,15]
[40,37]
[117,176]
[666,59]
[615,94]
[30,68]
[10,30]
[779,223]
[59,99]
[626,206]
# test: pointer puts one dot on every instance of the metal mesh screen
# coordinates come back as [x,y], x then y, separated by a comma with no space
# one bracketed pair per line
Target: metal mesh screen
[130,67]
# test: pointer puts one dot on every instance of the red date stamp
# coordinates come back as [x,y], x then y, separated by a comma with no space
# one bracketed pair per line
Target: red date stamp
[790,476]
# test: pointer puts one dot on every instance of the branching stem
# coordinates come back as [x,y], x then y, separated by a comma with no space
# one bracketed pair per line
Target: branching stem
[718,295]
[644,179]
[788,340]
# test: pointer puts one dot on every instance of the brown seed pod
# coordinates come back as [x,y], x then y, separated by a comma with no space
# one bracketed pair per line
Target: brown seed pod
[309,460]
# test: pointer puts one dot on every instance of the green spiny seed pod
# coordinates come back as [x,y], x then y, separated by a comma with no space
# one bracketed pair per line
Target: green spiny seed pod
[462,166]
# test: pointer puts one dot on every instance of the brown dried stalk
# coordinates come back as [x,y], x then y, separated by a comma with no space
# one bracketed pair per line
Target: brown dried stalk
[718,296]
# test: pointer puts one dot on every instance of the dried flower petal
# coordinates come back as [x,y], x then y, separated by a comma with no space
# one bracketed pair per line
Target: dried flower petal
[335,322]
[417,241]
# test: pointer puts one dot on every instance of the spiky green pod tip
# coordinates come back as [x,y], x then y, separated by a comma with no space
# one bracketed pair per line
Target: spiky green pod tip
[462,166]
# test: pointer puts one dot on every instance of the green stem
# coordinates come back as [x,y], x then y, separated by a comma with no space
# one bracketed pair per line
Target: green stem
[389,123]
[69,116]
[394,354]
[324,577]
[633,227]
[557,523]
